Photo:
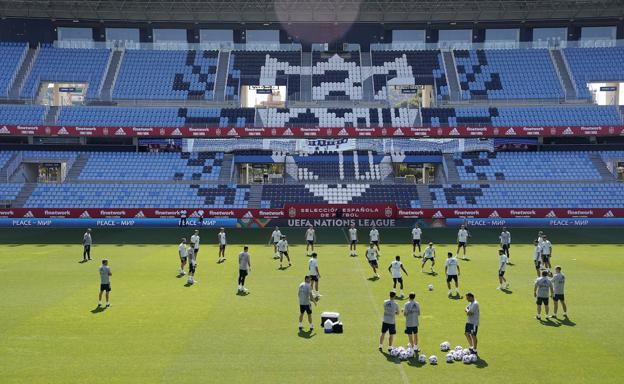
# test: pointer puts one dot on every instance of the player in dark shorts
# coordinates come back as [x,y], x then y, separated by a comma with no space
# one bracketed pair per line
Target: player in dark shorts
[105,274]
[305,298]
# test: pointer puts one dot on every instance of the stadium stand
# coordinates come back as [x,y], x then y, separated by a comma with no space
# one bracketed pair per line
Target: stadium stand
[594,65]
[336,76]
[84,195]
[408,67]
[22,114]
[167,75]
[339,117]
[11,55]
[507,74]
[9,191]
[68,64]
[568,165]
[264,68]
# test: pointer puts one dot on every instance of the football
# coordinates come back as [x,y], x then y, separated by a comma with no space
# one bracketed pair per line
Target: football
[433,359]
[430,286]
[467,359]
[465,351]
[449,357]
[474,358]
[395,352]
[422,359]
[459,348]
[445,346]
[457,356]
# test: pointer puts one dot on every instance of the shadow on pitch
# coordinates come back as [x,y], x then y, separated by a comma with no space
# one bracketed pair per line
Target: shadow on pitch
[374,278]
[549,323]
[284,268]
[180,275]
[456,297]
[97,310]
[566,321]
[391,358]
[242,293]
[83,261]
[480,363]
[506,291]
[413,362]
[306,334]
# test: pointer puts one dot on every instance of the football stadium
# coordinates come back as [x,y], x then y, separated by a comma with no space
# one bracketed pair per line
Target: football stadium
[311,191]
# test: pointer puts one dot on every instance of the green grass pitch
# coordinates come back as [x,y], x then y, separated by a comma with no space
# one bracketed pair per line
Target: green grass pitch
[159,331]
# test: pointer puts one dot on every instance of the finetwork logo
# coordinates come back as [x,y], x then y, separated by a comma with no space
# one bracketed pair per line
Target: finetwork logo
[608,214]
[85,215]
[510,132]
[551,214]
[494,214]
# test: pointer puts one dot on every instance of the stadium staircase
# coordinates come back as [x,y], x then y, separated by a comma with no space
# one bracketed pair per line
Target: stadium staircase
[52,115]
[23,195]
[452,176]
[451,75]
[306,77]
[255,195]
[222,74]
[562,72]
[22,73]
[368,91]
[111,76]
[77,167]
[4,171]
[600,165]
[225,176]
[424,195]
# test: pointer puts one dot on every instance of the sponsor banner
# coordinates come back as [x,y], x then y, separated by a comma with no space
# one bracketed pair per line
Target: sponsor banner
[344,223]
[108,223]
[309,131]
[540,222]
[319,211]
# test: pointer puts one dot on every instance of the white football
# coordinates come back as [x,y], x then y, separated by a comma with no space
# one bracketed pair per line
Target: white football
[445,346]
[467,359]
[394,352]
[410,352]
[404,355]
[433,359]
[465,351]
[474,358]
[457,356]
[422,359]
[449,357]
[430,286]
[459,348]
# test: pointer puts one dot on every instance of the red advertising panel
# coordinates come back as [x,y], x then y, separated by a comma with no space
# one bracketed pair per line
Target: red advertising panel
[310,132]
[374,211]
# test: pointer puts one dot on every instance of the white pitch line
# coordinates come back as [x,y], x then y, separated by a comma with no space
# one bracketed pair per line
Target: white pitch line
[378,314]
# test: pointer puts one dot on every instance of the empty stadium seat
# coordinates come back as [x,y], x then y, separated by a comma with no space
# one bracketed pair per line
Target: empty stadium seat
[594,65]
[11,55]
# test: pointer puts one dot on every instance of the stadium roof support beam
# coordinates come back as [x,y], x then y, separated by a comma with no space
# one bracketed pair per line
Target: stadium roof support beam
[311,11]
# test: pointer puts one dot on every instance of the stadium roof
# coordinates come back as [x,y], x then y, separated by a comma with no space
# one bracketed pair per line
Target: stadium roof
[285,11]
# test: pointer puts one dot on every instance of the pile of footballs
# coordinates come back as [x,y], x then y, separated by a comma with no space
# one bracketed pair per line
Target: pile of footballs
[458,354]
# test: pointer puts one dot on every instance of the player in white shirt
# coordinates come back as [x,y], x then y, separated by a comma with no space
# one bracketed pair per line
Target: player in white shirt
[502,267]
[451,270]
[395,269]
[282,248]
[195,242]
[537,257]
[244,266]
[86,245]
[428,255]
[310,236]
[276,235]
[462,240]
[546,252]
[192,262]
[371,256]
[183,215]
[374,238]
[505,241]
[221,239]
[182,253]
[353,239]
[558,281]
[315,275]
[416,238]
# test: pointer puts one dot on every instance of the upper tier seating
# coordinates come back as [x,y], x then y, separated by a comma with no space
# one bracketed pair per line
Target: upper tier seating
[152,166]
[569,165]
[336,76]
[507,74]
[508,195]
[84,195]
[338,117]
[594,65]
[71,65]
[344,166]
[522,116]
[156,117]
[167,75]
[9,191]
[11,55]
[408,67]
[22,114]
[264,68]
[275,196]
